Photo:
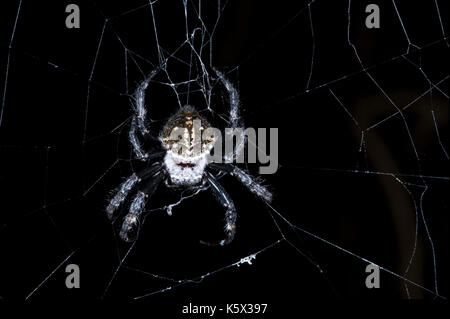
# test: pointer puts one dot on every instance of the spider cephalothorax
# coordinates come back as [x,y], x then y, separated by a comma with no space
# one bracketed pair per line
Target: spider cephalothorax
[187,151]
[183,162]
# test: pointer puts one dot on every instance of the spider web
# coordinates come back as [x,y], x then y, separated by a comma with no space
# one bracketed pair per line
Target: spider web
[363,126]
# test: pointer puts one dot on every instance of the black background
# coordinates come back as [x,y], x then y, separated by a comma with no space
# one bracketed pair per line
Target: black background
[57,170]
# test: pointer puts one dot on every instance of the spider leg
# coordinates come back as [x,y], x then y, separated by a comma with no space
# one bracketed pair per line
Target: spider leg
[252,183]
[234,116]
[230,215]
[130,226]
[137,146]
[135,141]
[125,188]
[233,97]
[140,111]
[121,194]
[139,120]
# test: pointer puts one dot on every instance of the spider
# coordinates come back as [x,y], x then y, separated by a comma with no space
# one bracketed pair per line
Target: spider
[179,168]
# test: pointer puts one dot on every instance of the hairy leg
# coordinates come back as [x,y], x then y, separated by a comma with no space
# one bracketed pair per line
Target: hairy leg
[230,214]
[130,226]
[124,189]
[252,183]
[139,120]
[234,116]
